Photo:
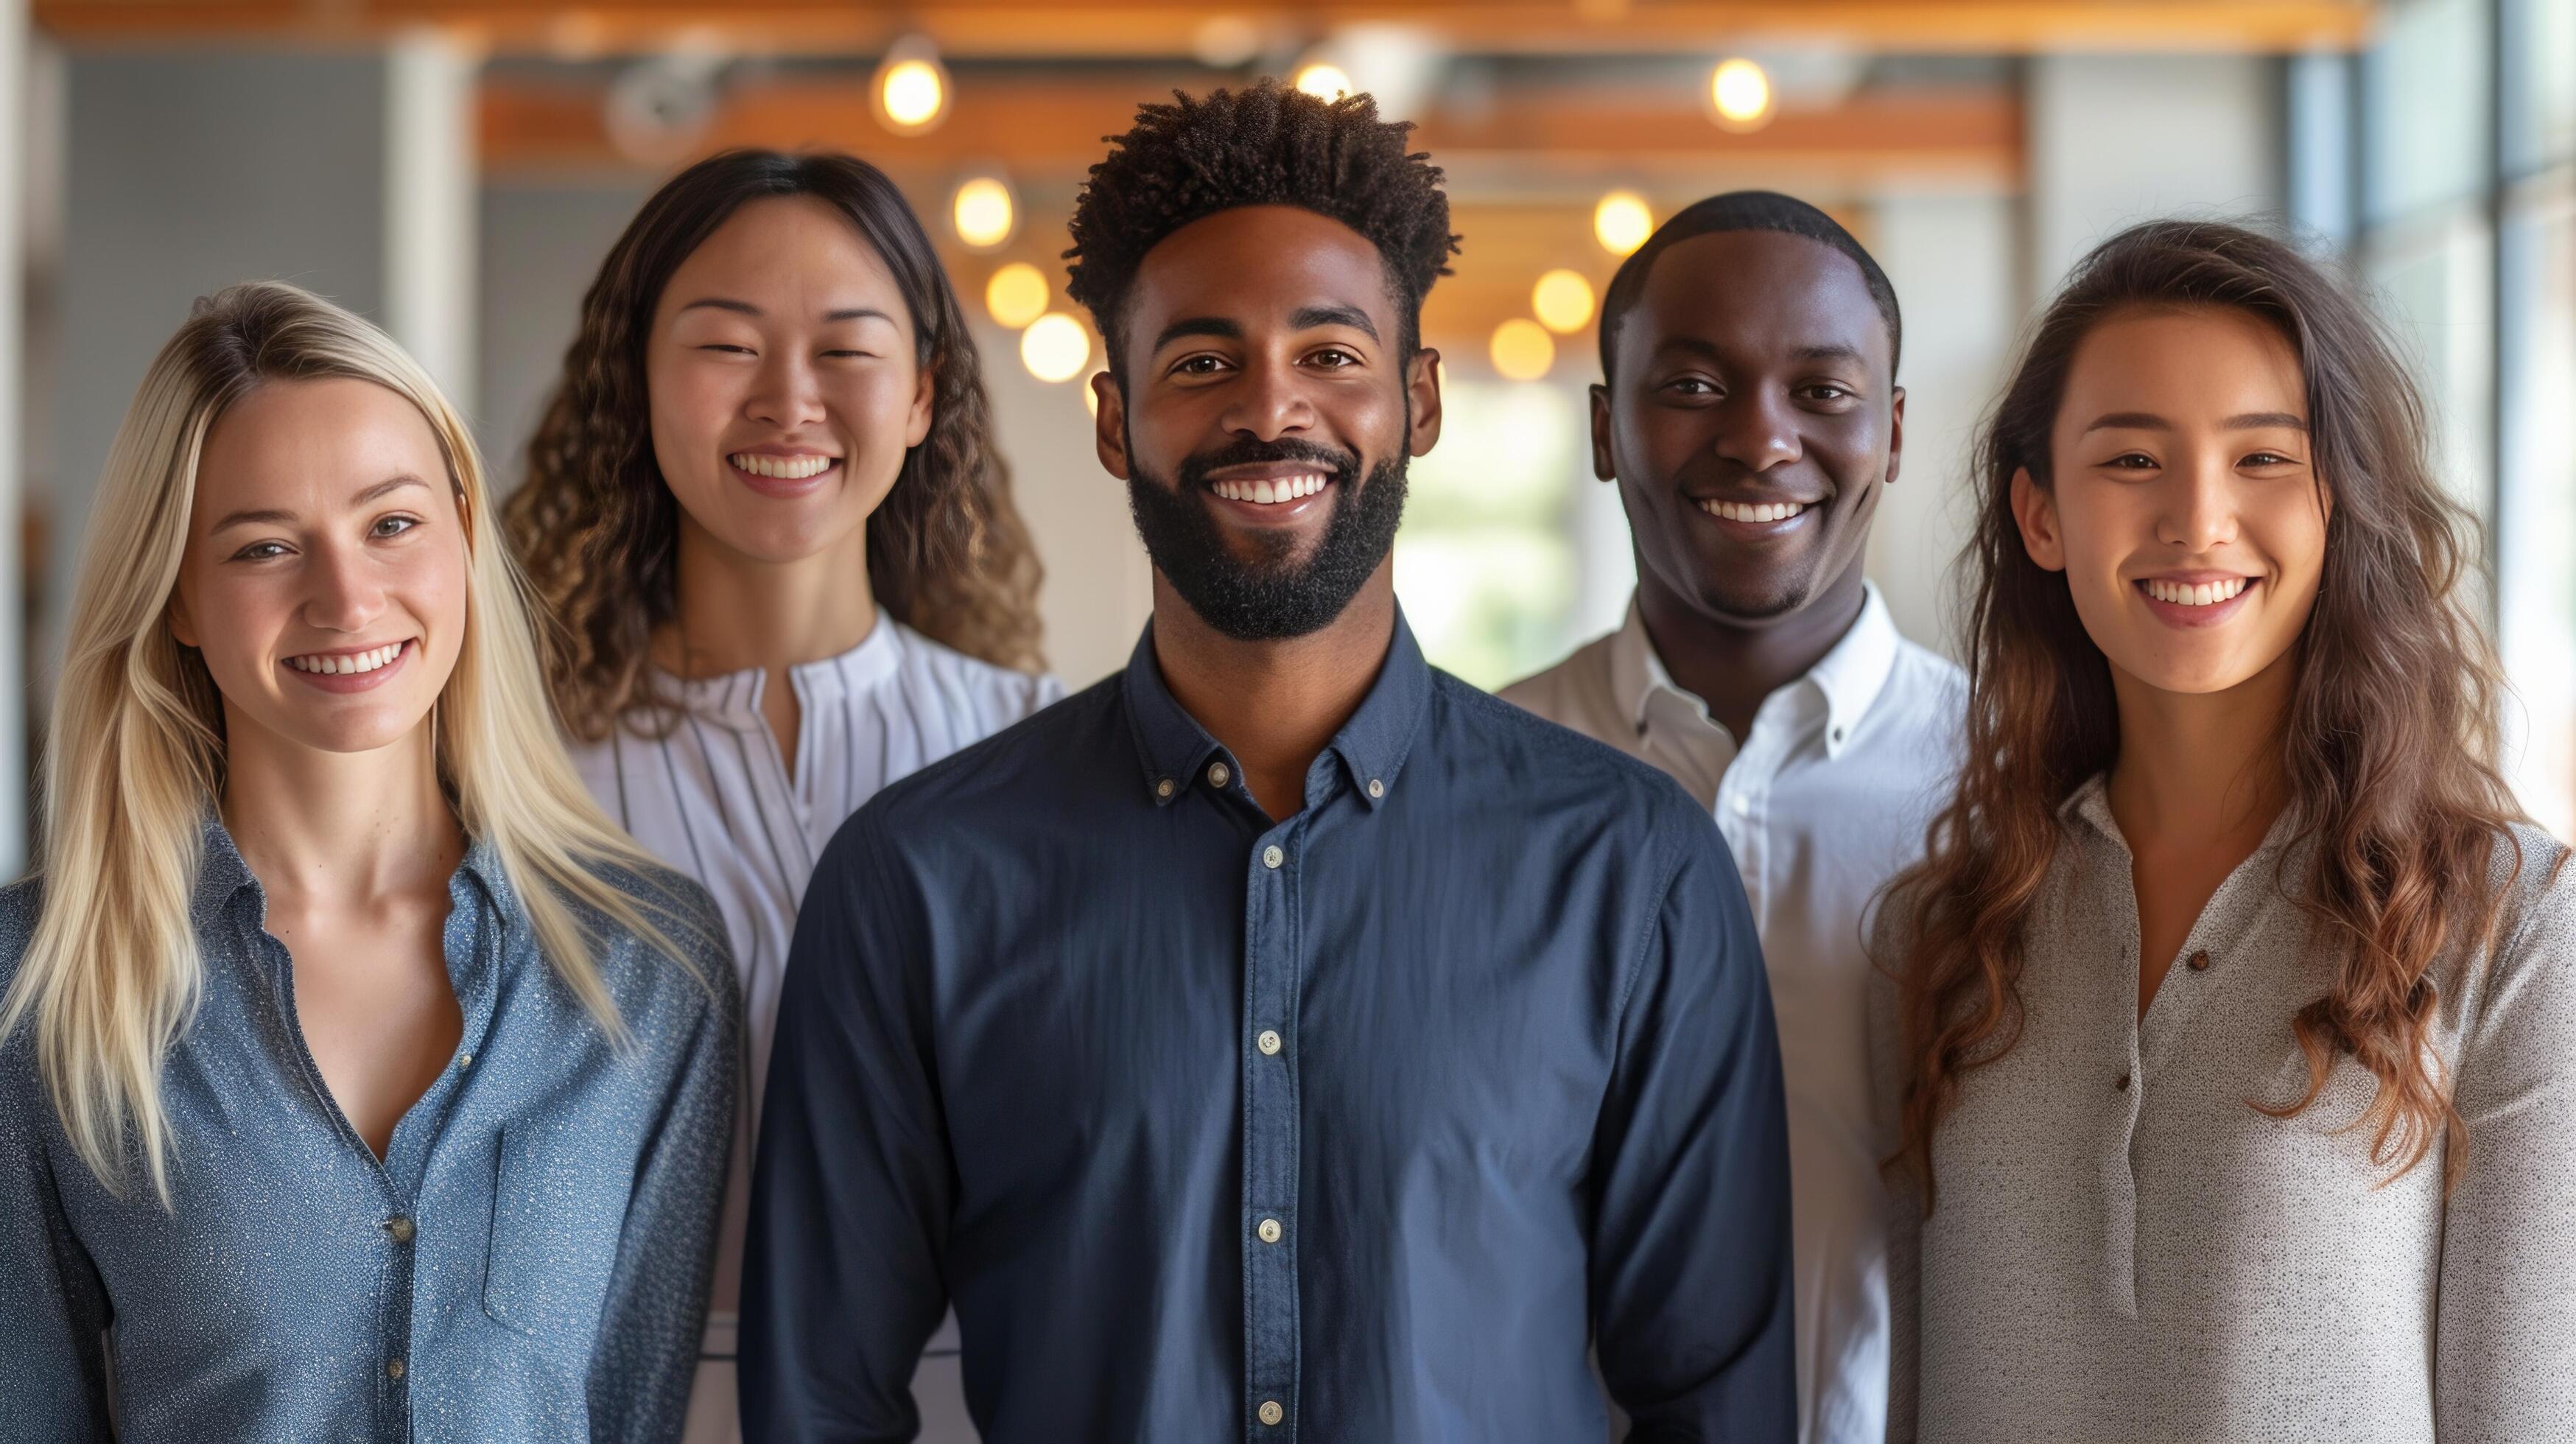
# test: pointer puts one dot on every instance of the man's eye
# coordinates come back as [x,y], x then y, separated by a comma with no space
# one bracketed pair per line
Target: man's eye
[1824,391]
[1692,386]
[1334,357]
[1198,365]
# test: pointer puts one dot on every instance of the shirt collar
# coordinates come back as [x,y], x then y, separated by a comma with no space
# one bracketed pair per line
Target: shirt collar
[2090,803]
[222,875]
[1372,744]
[1849,677]
[736,696]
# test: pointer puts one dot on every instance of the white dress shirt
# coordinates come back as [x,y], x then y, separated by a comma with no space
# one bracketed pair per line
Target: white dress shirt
[1824,801]
[714,799]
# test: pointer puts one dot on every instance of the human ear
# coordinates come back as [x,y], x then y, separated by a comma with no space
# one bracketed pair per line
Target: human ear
[2036,511]
[916,423]
[1603,466]
[1109,425]
[1895,432]
[1422,386]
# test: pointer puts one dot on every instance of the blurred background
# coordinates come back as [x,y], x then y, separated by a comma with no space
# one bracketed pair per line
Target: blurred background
[456,168]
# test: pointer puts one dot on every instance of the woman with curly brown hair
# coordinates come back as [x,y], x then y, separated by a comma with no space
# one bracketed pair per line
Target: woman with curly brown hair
[2231,1041]
[765,508]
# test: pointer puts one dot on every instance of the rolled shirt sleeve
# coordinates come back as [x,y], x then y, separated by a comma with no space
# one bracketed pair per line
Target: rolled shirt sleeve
[1691,1248]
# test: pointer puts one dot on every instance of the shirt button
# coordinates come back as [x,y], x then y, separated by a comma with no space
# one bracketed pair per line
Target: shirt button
[393,1368]
[400,1228]
[1217,774]
[1269,1230]
[2200,961]
[1376,788]
[2123,1084]
[1271,856]
[464,1060]
[1742,804]
[1268,1042]
[1271,1413]
[1162,787]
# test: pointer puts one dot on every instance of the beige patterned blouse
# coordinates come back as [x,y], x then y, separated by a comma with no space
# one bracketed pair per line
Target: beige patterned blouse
[2124,1250]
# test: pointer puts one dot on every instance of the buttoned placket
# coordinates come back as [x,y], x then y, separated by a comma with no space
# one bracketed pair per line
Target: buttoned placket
[1267,1226]
[400,1173]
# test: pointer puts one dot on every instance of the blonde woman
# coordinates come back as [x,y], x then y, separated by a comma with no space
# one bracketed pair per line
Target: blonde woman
[357,1078]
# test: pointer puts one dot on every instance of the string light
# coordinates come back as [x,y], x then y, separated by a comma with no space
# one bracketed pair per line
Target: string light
[1562,301]
[1055,347]
[911,88]
[1739,92]
[1622,222]
[984,213]
[1522,350]
[1016,295]
[1324,80]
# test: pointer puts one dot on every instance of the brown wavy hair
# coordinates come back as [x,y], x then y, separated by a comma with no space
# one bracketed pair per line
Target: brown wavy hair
[597,530]
[2388,748]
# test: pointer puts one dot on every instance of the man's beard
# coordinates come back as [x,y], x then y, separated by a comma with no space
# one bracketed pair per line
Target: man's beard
[1275,597]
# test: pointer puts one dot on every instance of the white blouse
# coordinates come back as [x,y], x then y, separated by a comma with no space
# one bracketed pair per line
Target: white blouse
[714,799]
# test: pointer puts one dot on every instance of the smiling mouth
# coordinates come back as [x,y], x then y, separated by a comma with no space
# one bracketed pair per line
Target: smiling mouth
[783,468]
[349,664]
[1753,511]
[2194,594]
[1271,491]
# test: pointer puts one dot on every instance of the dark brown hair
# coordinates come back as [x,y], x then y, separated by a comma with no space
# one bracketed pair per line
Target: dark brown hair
[2388,748]
[597,530]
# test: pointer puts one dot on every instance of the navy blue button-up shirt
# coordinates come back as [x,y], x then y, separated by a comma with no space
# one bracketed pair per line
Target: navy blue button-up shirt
[1354,1127]
[527,1262]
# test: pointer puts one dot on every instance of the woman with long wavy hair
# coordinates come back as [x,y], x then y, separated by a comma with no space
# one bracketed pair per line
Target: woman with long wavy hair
[2230,1042]
[356,1074]
[765,506]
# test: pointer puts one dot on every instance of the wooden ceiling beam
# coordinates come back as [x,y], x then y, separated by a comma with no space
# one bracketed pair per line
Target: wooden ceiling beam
[1176,28]
[1543,142]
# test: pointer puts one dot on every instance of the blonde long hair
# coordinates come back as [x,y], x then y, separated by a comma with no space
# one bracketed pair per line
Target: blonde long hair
[112,971]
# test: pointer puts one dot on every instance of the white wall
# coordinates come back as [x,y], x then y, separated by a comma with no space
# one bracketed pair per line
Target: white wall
[1954,260]
[2120,138]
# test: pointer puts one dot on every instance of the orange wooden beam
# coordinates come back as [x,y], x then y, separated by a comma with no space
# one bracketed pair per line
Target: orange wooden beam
[1176,28]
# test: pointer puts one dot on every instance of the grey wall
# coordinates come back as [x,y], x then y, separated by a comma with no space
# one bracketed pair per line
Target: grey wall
[185,172]
[542,241]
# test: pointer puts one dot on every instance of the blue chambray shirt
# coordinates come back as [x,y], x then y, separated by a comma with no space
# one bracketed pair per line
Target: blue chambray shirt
[528,1262]
[1354,1128]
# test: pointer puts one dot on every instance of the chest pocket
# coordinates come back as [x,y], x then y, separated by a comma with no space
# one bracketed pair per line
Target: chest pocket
[558,1210]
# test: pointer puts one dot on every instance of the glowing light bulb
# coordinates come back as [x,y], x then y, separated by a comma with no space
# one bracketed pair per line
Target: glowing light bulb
[984,213]
[1016,295]
[1740,92]
[912,93]
[1522,350]
[1562,301]
[1324,80]
[1055,347]
[1622,222]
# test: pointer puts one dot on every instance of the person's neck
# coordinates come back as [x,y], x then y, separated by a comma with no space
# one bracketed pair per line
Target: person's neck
[333,830]
[735,613]
[1732,668]
[1275,705]
[2200,769]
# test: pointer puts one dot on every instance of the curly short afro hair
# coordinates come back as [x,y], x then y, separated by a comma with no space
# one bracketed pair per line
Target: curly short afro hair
[1265,145]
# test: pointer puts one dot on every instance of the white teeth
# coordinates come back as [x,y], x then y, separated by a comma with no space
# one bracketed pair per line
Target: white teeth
[1270,493]
[2202,594]
[783,468]
[1745,511]
[343,666]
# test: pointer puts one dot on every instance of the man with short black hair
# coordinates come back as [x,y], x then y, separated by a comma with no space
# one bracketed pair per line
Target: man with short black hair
[1280,1040]
[1749,414]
